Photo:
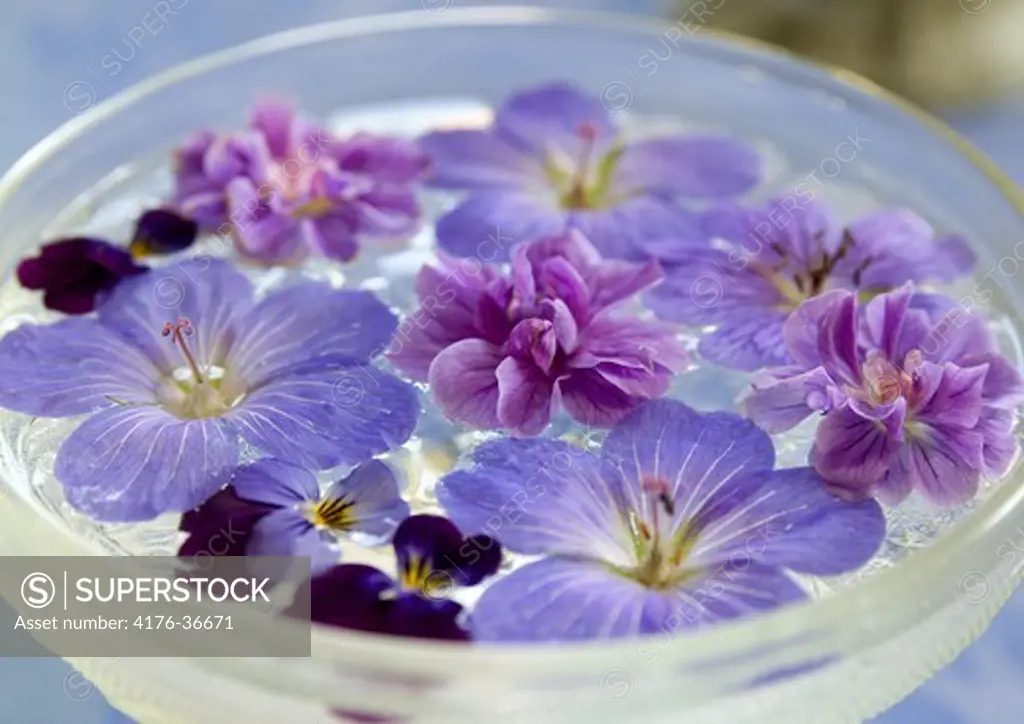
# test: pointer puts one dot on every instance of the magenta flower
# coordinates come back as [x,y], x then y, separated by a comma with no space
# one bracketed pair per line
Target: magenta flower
[679,521]
[764,262]
[290,189]
[507,350]
[914,393]
[555,160]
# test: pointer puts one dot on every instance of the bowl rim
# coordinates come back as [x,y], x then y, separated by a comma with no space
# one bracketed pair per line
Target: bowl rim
[898,588]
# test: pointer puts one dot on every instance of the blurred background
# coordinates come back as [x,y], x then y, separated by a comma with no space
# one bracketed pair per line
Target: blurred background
[962,59]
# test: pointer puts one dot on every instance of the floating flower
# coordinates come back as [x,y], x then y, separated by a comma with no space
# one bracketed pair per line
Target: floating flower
[433,558]
[162,231]
[764,262]
[554,159]
[914,391]
[506,350]
[281,512]
[74,273]
[678,522]
[181,362]
[290,189]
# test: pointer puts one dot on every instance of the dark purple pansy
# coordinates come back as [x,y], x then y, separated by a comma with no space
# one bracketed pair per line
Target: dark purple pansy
[433,558]
[74,273]
[277,509]
[182,363]
[290,189]
[162,231]
[764,262]
[914,392]
[554,159]
[680,521]
[507,349]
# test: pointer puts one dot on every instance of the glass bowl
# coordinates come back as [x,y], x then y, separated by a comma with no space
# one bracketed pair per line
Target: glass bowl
[846,655]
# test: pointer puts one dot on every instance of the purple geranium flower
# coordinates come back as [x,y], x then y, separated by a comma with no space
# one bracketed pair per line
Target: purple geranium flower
[281,512]
[914,391]
[290,189]
[506,350]
[74,273]
[764,262]
[433,558]
[679,521]
[168,400]
[554,159]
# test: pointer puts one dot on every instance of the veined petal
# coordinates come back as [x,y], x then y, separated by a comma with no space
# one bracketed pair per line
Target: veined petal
[435,548]
[275,483]
[373,492]
[211,293]
[132,463]
[287,532]
[487,224]
[527,398]
[284,335]
[730,591]
[957,399]
[592,398]
[333,417]
[781,402]
[464,384]
[478,160]
[691,166]
[539,496]
[694,454]
[786,519]
[261,229]
[944,464]
[852,452]
[71,367]
[564,599]
[621,230]
[748,343]
[551,117]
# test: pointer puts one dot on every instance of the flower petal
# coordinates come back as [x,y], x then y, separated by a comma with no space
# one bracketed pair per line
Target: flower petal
[466,560]
[749,343]
[284,336]
[622,230]
[287,533]
[852,452]
[786,519]
[691,166]
[487,224]
[695,454]
[596,397]
[211,293]
[372,488]
[562,599]
[780,402]
[996,426]
[944,464]
[334,417]
[957,400]
[348,595]
[161,231]
[527,398]
[133,463]
[71,367]
[464,384]
[262,230]
[552,115]
[731,591]
[420,617]
[275,483]
[273,119]
[538,496]
[386,158]
[478,160]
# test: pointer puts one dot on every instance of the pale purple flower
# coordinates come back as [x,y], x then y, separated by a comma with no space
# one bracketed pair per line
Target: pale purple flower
[291,189]
[679,521]
[914,392]
[182,362]
[506,350]
[554,159]
[763,262]
[281,511]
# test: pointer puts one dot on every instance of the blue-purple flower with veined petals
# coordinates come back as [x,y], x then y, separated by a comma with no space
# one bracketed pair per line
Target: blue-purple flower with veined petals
[679,521]
[763,262]
[508,349]
[293,518]
[433,558]
[181,363]
[74,274]
[290,189]
[914,392]
[554,159]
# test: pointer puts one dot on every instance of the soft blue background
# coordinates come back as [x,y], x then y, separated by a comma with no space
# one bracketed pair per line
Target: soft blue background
[48,45]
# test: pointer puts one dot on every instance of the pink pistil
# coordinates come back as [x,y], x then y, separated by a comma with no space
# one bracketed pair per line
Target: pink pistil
[177,333]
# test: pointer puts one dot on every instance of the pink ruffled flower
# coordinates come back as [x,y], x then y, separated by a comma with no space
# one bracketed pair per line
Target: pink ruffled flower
[506,350]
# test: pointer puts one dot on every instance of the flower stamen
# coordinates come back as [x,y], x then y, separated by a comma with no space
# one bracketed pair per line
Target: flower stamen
[177,333]
[577,196]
